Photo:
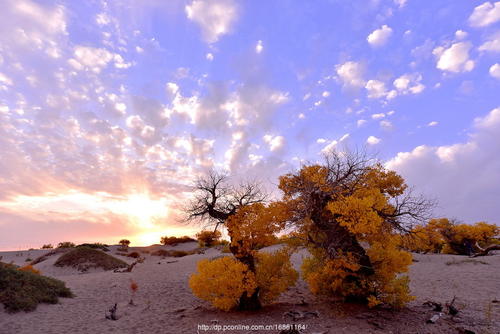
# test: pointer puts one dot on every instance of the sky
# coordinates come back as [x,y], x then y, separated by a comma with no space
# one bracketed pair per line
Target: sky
[109,110]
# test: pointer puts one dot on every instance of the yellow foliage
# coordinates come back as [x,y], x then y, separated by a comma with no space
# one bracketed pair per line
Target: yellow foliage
[222,282]
[254,226]
[208,238]
[30,269]
[275,274]
[448,237]
[329,277]
[362,211]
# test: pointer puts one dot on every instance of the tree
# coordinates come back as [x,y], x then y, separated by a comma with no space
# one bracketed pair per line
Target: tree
[350,212]
[216,201]
[208,238]
[124,243]
[451,237]
[255,277]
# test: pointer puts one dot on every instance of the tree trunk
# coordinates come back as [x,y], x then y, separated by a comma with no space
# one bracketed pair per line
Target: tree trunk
[338,238]
[252,302]
[485,251]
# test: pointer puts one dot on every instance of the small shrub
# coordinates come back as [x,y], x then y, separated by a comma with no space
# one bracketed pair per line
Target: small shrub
[222,282]
[160,252]
[274,274]
[172,241]
[173,253]
[84,258]
[22,290]
[208,238]
[96,245]
[134,255]
[47,246]
[226,249]
[46,256]
[30,268]
[28,259]
[176,253]
[66,244]
[124,245]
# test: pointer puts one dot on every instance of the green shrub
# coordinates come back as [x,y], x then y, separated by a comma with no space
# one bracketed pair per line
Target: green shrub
[24,290]
[84,258]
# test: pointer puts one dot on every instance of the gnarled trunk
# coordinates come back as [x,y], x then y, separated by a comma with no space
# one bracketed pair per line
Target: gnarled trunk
[338,237]
[252,302]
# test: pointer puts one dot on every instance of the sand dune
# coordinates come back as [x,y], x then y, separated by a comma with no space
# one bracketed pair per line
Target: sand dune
[164,303]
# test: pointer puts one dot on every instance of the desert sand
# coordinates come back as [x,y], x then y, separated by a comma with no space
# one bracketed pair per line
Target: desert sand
[164,303]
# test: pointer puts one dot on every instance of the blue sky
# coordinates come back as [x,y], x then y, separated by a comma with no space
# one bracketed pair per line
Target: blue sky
[109,110]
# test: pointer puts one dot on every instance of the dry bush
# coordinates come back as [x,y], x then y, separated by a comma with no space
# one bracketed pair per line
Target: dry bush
[208,238]
[174,253]
[46,256]
[96,245]
[30,268]
[66,244]
[172,241]
[134,255]
[161,252]
[47,246]
[84,258]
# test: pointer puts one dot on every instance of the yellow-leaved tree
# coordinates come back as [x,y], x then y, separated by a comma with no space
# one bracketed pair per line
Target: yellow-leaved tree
[351,212]
[250,278]
[449,237]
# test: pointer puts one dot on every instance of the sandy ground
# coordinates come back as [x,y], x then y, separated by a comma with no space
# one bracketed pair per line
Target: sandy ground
[164,303]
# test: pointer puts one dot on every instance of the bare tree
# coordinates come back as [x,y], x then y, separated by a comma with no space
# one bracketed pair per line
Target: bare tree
[216,199]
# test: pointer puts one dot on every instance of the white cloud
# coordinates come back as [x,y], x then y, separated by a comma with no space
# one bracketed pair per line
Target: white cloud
[460,34]
[259,47]
[380,36]
[409,84]
[495,71]
[378,116]
[455,58]
[215,17]
[433,123]
[485,14]
[332,145]
[386,125]
[372,140]
[351,74]
[376,89]
[325,94]
[94,59]
[321,140]
[400,3]
[209,56]
[275,143]
[102,19]
[459,174]
[492,45]
[360,122]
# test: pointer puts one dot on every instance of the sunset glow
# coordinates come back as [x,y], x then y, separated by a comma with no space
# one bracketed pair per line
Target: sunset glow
[110,110]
